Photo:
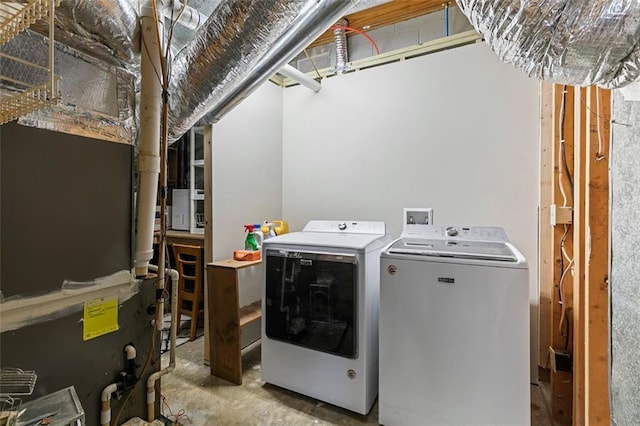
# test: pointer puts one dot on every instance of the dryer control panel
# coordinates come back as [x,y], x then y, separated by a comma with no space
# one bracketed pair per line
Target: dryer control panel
[345,226]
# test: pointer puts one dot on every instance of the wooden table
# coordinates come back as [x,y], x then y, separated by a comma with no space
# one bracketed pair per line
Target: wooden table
[226,317]
[181,237]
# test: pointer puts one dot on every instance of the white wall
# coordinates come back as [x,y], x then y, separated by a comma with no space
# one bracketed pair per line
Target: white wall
[247,168]
[247,182]
[457,131]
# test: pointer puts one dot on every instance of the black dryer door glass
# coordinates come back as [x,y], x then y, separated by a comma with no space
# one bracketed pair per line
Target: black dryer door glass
[311,300]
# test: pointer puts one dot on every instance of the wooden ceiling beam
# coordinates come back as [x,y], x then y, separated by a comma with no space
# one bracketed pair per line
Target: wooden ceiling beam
[386,14]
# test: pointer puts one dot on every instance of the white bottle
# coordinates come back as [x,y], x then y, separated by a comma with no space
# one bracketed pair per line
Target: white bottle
[272,232]
[259,236]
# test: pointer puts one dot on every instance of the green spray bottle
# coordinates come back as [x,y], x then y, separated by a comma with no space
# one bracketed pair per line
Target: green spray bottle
[250,242]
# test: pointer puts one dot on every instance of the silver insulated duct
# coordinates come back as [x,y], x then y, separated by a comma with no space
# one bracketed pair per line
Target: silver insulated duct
[241,45]
[105,29]
[565,41]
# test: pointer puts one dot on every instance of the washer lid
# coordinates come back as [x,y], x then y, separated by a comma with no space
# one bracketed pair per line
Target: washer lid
[461,249]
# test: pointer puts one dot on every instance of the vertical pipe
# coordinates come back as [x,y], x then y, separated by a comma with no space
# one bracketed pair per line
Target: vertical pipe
[148,157]
[151,380]
[105,406]
[52,79]
[446,20]
[162,247]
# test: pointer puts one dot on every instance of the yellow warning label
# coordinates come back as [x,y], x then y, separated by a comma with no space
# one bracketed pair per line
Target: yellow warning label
[100,317]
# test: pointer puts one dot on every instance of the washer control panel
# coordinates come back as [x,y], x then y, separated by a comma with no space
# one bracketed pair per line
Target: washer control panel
[455,232]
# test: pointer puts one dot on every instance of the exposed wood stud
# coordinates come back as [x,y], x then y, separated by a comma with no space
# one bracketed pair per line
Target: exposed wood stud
[579,396]
[546,265]
[596,303]
[561,381]
[579,230]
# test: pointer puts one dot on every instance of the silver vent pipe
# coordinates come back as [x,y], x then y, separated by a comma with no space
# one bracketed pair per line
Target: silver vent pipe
[239,47]
[342,51]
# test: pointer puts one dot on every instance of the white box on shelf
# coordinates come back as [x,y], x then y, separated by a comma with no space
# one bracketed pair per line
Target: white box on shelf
[180,210]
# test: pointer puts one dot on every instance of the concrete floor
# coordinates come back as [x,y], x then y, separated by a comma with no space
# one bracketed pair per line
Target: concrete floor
[191,391]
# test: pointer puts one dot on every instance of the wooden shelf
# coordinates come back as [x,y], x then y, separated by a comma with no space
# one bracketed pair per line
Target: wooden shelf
[226,317]
[250,313]
[235,264]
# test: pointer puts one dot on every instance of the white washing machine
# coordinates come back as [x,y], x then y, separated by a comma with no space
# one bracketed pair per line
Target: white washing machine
[320,311]
[454,329]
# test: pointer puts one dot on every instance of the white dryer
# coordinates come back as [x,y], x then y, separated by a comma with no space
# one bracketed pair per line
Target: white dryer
[320,311]
[454,329]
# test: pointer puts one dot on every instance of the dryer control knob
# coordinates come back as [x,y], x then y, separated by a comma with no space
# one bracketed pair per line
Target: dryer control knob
[342,226]
[451,231]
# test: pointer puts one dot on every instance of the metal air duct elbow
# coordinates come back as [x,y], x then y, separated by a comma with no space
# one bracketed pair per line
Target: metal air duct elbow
[239,47]
[342,51]
[564,41]
[105,29]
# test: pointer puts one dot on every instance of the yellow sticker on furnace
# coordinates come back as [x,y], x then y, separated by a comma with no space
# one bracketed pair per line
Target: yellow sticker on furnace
[100,317]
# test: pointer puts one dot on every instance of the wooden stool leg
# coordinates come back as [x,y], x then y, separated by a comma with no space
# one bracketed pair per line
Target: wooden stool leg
[194,317]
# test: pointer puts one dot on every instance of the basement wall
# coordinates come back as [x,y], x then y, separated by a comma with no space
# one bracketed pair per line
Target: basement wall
[457,131]
[247,182]
[625,267]
[67,214]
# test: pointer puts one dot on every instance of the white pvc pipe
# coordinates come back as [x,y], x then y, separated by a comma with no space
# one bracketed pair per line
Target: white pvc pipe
[300,77]
[190,18]
[151,381]
[105,413]
[130,351]
[149,153]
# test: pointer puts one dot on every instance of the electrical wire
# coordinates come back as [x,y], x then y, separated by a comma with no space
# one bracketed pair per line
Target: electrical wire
[159,42]
[600,152]
[177,416]
[600,119]
[561,151]
[562,171]
[312,63]
[167,54]
[562,249]
[563,312]
[562,240]
[362,33]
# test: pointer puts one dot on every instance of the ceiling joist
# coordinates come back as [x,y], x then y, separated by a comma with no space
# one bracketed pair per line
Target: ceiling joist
[386,14]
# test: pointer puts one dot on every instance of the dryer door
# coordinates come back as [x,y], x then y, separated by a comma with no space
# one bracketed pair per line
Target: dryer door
[311,300]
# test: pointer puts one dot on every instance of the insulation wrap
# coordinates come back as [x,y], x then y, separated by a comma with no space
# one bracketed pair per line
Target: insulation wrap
[564,41]
[97,100]
[238,48]
[105,29]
